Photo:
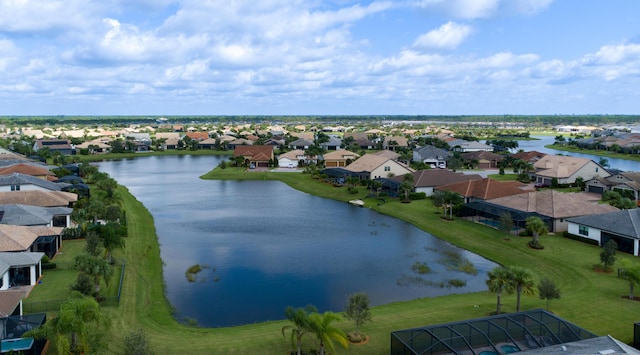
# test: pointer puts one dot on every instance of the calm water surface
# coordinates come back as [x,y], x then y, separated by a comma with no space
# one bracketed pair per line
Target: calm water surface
[266,246]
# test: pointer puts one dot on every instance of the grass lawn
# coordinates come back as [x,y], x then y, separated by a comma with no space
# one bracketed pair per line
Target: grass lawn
[600,153]
[590,299]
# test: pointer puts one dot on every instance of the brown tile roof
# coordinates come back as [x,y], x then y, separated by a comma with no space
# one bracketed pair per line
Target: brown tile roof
[556,204]
[486,188]
[367,162]
[16,238]
[483,155]
[559,166]
[531,157]
[389,154]
[340,155]
[199,136]
[438,177]
[254,152]
[38,198]
[27,169]
[10,299]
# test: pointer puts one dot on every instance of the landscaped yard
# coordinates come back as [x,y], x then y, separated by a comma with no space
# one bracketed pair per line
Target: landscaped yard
[590,299]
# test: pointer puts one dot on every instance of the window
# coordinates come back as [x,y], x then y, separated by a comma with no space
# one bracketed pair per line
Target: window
[387,168]
[15,187]
[583,230]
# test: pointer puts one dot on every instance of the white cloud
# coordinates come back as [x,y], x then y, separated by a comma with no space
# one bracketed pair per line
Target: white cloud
[44,16]
[447,36]
[479,9]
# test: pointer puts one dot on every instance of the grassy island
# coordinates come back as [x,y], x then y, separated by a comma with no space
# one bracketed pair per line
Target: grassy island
[590,299]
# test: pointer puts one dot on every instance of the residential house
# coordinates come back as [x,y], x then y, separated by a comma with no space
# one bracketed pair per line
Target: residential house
[557,206]
[197,136]
[255,155]
[96,146]
[295,158]
[47,240]
[334,143]
[463,146]
[482,159]
[565,169]
[394,142]
[209,143]
[374,166]
[32,169]
[485,189]
[21,182]
[19,269]
[428,180]
[61,146]
[301,144]
[38,198]
[433,156]
[25,215]
[626,183]
[623,227]
[339,158]
[238,142]
[529,157]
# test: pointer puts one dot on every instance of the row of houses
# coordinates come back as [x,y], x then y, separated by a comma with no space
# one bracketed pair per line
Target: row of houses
[34,210]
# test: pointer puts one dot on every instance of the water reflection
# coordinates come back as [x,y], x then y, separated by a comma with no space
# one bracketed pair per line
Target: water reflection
[267,246]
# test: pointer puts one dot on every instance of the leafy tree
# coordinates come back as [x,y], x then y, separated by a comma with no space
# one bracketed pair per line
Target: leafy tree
[358,310]
[446,200]
[84,284]
[608,254]
[631,273]
[499,281]
[136,343]
[71,328]
[522,280]
[301,324]
[604,162]
[320,325]
[93,244]
[95,267]
[548,290]
[537,227]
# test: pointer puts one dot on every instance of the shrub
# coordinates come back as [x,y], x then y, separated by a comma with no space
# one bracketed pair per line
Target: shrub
[456,283]
[136,343]
[417,196]
[71,233]
[48,266]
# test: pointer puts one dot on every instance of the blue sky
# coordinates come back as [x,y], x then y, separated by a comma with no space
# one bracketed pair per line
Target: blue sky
[315,57]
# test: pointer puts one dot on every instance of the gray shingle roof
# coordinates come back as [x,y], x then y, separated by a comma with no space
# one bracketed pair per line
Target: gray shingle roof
[625,222]
[24,215]
[22,179]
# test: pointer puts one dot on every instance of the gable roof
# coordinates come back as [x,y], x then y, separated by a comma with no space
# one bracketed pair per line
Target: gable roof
[27,169]
[559,166]
[340,154]
[370,162]
[556,204]
[429,151]
[10,299]
[438,177]
[24,215]
[23,179]
[624,222]
[38,198]
[482,155]
[486,188]
[199,136]
[254,152]
[293,154]
[390,154]
[531,156]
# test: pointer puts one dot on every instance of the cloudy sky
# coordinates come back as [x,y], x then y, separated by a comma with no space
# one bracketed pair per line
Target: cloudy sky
[319,57]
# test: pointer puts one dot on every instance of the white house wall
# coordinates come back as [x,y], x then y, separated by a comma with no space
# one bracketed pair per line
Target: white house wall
[594,233]
[5,281]
[426,190]
[395,169]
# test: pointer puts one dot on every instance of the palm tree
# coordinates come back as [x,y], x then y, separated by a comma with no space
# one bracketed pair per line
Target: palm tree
[300,319]
[326,332]
[631,273]
[522,280]
[537,227]
[70,328]
[499,281]
[407,185]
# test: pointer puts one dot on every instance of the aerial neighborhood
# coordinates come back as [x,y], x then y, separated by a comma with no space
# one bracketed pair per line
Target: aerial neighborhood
[488,181]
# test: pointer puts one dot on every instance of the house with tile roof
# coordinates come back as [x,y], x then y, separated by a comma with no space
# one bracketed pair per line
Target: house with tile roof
[32,169]
[373,166]
[566,169]
[61,146]
[558,206]
[428,180]
[623,227]
[433,156]
[19,269]
[301,144]
[47,240]
[339,158]
[39,198]
[530,156]
[295,158]
[485,189]
[255,155]
[22,182]
[626,183]
[25,215]
[482,159]
[463,146]
[198,136]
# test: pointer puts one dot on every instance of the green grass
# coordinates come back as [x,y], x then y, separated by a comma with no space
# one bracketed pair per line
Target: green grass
[590,299]
[597,152]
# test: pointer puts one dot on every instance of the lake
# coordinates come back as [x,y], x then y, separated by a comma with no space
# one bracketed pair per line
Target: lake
[263,246]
